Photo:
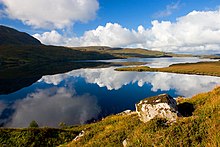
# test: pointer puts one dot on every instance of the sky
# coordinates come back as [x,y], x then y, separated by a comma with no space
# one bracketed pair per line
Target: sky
[183,26]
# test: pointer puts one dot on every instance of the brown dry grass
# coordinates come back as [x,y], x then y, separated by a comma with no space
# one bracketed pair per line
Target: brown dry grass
[201,68]
[200,129]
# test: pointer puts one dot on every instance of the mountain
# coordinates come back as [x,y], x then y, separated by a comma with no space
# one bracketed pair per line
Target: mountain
[10,36]
[19,48]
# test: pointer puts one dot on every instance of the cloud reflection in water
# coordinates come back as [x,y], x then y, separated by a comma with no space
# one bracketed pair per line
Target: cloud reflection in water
[51,106]
[185,85]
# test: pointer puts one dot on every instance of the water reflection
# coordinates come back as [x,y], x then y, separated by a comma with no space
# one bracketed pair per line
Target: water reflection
[161,62]
[184,85]
[28,74]
[82,95]
[51,106]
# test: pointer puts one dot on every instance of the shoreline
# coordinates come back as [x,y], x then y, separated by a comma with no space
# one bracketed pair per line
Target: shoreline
[200,68]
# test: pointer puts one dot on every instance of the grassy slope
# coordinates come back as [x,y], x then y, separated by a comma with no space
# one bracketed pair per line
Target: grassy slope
[34,137]
[201,68]
[11,55]
[18,48]
[200,129]
[11,36]
[14,55]
[20,54]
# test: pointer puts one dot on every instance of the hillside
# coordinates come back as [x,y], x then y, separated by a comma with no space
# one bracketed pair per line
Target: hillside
[199,126]
[10,36]
[129,52]
[22,54]
[18,48]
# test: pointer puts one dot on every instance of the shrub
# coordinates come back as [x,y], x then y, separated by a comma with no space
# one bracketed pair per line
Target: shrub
[33,124]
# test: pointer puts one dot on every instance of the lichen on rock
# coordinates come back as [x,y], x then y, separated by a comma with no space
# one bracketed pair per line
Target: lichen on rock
[161,106]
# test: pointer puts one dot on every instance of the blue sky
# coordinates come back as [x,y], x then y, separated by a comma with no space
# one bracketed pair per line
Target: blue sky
[132,13]
[122,16]
[128,13]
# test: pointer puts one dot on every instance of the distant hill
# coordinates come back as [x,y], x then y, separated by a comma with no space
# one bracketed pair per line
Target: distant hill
[19,48]
[10,36]
[128,52]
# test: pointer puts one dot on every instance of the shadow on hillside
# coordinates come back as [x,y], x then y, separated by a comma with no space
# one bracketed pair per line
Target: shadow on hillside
[186,109]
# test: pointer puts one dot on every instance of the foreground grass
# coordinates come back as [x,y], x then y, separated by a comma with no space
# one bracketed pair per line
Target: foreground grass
[202,128]
[201,68]
[36,137]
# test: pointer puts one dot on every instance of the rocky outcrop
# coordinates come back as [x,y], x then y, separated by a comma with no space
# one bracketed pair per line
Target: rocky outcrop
[161,106]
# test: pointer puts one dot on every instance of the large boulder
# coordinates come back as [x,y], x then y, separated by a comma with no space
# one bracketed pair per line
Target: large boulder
[161,106]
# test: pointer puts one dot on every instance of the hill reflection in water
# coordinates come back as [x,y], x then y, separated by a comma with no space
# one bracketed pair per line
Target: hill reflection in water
[82,95]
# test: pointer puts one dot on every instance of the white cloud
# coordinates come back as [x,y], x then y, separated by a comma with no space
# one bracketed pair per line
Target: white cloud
[198,31]
[55,38]
[110,34]
[51,106]
[51,13]
[169,10]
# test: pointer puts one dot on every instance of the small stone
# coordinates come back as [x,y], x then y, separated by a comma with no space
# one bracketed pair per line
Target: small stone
[125,143]
[126,112]
[81,134]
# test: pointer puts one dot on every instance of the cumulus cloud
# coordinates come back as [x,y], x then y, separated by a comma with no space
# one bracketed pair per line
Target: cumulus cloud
[113,80]
[198,31]
[110,34]
[51,106]
[51,13]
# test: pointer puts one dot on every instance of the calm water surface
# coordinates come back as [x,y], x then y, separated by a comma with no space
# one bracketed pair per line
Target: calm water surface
[84,95]
[160,62]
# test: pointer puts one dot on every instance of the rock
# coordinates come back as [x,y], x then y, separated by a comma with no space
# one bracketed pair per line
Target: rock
[81,134]
[127,112]
[125,143]
[161,106]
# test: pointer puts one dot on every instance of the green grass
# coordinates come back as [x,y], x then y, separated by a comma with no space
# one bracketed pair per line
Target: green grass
[202,128]
[36,137]
[20,54]
[201,68]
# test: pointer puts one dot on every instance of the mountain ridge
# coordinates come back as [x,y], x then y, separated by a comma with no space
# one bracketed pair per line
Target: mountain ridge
[10,36]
